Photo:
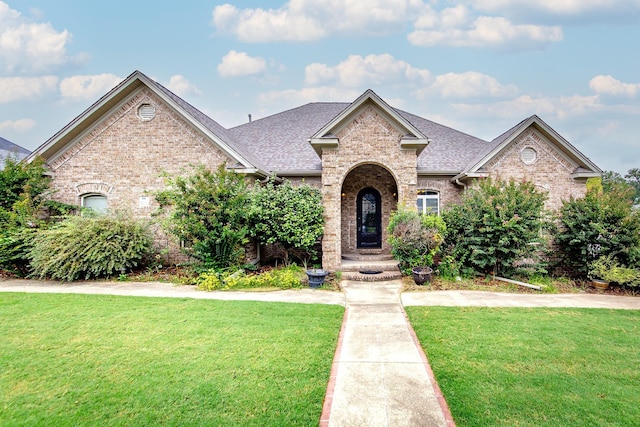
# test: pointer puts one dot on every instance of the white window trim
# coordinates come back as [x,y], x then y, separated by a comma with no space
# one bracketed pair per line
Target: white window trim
[425,195]
[88,195]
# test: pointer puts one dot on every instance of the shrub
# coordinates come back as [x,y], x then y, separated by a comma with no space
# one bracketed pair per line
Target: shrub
[607,268]
[415,239]
[85,247]
[208,212]
[283,278]
[289,216]
[602,223]
[495,225]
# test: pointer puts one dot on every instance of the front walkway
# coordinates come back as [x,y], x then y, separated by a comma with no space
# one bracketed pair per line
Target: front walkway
[380,375]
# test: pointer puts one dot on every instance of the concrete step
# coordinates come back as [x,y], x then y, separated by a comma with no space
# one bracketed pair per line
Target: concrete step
[379,275]
[367,256]
[354,265]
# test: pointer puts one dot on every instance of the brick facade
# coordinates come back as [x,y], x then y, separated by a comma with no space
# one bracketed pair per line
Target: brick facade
[123,157]
[369,149]
[551,171]
[114,151]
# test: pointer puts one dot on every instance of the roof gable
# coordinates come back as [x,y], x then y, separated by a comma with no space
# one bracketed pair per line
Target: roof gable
[326,136]
[217,134]
[585,167]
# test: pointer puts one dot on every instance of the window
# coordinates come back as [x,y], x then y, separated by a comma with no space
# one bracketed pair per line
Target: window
[428,202]
[95,202]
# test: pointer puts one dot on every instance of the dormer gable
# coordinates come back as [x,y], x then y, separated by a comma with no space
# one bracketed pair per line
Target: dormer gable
[326,137]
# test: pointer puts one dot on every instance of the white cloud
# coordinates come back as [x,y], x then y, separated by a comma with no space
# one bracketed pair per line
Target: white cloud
[28,46]
[88,87]
[240,64]
[526,105]
[559,7]
[19,126]
[179,85]
[459,27]
[21,88]
[304,20]
[306,95]
[469,84]
[358,71]
[608,85]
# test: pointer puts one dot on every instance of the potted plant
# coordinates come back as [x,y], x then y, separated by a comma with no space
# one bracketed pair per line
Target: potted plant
[415,241]
[421,275]
[606,270]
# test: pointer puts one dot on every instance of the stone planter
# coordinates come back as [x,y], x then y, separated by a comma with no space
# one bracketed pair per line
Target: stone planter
[316,277]
[422,275]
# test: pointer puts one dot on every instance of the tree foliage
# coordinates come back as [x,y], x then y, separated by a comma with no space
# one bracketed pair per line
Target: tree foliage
[209,214]
[602,223]
[291,216]
[495,225]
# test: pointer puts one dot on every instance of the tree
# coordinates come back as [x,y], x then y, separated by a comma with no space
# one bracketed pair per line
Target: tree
[209,215]
[289,216]
[633,178]
[495,225]
[602,223]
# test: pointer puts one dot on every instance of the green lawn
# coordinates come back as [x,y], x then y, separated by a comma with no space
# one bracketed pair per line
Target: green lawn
[107,360]
[534,367]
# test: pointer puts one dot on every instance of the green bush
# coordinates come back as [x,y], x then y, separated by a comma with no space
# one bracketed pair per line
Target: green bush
[207,211]
[283,278]
[415,239]
[84,247]
[495,225]
[15,246]
[602,223]
[289,216]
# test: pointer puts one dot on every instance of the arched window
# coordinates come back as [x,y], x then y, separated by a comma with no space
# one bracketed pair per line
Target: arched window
[428,202]
[95,202]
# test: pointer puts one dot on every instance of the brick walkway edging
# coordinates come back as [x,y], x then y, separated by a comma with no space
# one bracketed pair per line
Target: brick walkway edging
[436,388]
[328,396]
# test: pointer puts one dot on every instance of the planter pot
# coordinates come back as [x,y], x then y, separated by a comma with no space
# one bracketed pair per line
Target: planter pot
[599,284]
[316,277]
[422,275]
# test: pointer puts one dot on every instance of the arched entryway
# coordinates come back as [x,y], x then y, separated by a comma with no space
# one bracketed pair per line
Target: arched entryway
[369,195]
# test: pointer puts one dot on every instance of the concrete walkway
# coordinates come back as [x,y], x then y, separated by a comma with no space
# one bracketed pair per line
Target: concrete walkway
[380,375]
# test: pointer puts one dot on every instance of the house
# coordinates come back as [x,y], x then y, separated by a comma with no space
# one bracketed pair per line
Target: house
[366,157]
[9,149]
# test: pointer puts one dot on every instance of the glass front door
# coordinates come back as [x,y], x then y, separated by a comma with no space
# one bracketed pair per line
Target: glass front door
[369,219]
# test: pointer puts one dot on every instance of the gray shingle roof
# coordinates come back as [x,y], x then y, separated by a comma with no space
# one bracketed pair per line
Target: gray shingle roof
[8,148]
[449,150]
[281,140]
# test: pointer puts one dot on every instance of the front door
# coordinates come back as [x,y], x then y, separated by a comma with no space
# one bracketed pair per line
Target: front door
[369,219]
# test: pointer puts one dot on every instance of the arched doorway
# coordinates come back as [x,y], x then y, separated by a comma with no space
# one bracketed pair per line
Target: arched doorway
[368,196]
[369,219]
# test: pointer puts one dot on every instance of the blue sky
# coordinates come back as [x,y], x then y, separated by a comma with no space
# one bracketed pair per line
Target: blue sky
[479,66]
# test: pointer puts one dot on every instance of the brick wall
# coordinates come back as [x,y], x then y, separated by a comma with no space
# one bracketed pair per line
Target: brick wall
[123,158]
[551,171]
[369,142]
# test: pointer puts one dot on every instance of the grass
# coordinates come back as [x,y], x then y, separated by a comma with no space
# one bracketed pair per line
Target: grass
[108,360]
[534,367]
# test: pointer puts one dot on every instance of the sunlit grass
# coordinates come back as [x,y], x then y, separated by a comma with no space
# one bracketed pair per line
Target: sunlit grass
[534,367]
[107,360]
